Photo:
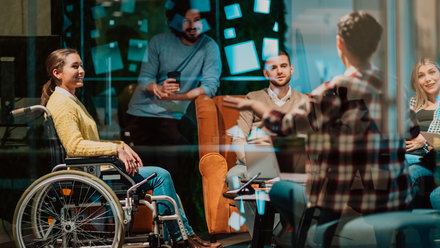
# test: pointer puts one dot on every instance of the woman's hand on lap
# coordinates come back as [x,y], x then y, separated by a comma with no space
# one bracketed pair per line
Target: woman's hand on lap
[416,143]
[136,157]
[128,160]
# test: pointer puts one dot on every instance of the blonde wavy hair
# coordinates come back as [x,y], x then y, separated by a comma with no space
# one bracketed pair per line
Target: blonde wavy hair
[421,97]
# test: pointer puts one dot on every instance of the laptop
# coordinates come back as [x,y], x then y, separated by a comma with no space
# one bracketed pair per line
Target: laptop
[285,160]
[260,159]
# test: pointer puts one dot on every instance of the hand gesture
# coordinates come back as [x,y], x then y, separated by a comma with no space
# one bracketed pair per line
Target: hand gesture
[237,103]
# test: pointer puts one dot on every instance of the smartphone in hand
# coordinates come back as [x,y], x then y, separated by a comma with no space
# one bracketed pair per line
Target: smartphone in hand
[175,75]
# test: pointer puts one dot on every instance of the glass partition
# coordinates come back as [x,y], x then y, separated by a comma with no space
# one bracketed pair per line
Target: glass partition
[112,38]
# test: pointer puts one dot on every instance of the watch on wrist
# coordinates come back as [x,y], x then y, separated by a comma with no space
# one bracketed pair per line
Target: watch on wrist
[426,147]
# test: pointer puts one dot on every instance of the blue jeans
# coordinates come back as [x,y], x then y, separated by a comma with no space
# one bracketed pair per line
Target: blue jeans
[435,198]
[412,159]
[290,200]
[163,185]
[417,171]
[422,181]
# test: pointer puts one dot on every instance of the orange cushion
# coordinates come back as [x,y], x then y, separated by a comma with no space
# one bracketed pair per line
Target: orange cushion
[143,220]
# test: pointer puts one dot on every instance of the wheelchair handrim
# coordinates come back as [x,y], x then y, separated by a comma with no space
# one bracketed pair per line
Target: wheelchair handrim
[44,182]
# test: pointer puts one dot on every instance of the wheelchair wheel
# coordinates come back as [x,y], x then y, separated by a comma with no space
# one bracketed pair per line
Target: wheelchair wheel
[68,209]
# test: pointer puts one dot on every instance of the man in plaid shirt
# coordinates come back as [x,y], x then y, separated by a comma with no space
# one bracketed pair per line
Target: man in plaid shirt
[353,162]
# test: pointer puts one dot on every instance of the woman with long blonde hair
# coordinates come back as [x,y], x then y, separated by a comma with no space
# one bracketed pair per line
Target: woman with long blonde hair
[425,82]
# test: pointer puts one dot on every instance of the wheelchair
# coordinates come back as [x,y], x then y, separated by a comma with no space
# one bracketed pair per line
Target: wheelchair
[79,204]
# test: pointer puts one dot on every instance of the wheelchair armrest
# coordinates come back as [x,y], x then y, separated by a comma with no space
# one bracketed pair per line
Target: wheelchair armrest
[90,160]
[101,160]
[96,160]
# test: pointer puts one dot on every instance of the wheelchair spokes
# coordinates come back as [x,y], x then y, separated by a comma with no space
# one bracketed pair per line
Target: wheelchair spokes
[73,211]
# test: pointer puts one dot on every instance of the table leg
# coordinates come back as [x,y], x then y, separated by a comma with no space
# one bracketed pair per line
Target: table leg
[263,227]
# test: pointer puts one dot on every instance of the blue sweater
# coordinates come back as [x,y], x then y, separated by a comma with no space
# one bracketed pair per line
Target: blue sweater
[197,63]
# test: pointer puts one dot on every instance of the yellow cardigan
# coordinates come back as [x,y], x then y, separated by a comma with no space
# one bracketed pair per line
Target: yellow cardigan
[77,129]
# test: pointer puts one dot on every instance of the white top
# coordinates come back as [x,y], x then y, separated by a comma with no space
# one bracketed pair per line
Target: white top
[66,93]
[276,100]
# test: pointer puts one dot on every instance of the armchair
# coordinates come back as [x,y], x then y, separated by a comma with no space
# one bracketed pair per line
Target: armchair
[216,159]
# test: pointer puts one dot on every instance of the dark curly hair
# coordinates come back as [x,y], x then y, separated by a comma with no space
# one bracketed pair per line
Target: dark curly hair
[360,33]
[180,7]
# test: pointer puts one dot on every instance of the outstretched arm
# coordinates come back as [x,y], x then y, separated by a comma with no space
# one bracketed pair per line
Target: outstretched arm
[299,119]
[257,107]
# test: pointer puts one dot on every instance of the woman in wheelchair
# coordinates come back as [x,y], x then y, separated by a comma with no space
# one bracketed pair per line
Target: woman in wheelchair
[79,135]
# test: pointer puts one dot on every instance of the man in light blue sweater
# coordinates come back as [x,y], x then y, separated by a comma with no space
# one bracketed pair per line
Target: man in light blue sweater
[158,103]
[197,58]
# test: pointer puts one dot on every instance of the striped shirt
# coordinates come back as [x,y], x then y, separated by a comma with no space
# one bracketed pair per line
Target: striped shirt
[434,127]
[345,143]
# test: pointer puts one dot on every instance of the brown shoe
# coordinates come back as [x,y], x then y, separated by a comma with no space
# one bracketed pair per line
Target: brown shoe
[191,243]
[196,244]
[217,245]
[200,241]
